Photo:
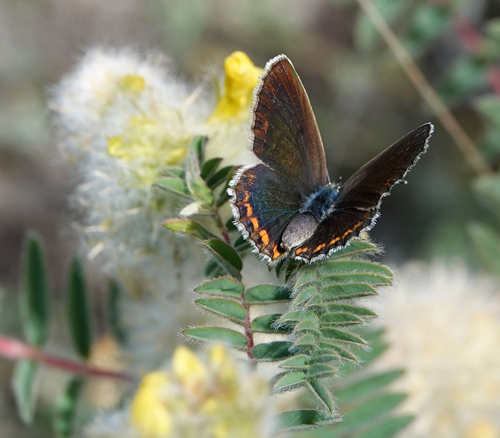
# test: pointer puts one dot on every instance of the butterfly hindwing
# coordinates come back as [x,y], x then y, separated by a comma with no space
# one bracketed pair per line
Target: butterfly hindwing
[357,206]
[285,133]
[263,204]
[334,233]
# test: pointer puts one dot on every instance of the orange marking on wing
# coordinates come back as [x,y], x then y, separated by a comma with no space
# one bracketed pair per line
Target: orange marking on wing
[300,250]
[352,230]
[255,223]
[334,240]
[276,253]
[319,247]
[264,236]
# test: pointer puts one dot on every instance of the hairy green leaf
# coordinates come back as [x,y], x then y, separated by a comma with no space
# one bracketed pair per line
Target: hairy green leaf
[225,255]
[267,324]
[221,286]
[322,394]
[188,227]
[225,308]
[272,351]
[217,334]
[267,293]
[195,183]
[289,381]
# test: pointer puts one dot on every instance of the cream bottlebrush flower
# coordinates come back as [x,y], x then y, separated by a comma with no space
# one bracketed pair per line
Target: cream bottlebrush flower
[122,119]
[228,126]
[443,326]
[204,397]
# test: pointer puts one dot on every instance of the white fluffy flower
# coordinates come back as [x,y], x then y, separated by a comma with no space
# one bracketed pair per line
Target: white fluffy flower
[443,326]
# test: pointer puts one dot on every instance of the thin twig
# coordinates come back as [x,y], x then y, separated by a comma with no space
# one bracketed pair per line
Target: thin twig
[448,120]
[14,349]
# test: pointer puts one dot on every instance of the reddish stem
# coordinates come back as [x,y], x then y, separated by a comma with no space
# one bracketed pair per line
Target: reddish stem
[248,332]
[14,349]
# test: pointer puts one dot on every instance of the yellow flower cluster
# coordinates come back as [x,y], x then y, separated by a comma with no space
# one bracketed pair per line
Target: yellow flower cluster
[217,399]
[241,77]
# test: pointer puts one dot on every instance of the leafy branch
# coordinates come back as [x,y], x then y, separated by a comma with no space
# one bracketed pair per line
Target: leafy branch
[320,326]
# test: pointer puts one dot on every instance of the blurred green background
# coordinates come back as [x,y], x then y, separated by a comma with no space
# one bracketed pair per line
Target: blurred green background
[362,99]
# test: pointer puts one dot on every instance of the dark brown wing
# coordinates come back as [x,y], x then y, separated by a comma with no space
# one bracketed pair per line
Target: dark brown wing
[357,206]
[285,133]
[374,180]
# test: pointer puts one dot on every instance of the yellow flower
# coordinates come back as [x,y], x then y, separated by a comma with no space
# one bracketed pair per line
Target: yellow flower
[149,412]
[241,77]
[189,369]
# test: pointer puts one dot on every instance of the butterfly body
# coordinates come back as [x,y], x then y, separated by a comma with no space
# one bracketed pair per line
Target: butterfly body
[286,205]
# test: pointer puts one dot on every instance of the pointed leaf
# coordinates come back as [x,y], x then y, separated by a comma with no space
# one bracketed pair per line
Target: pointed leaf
[174,185]
[340,267]
[224,195]
[25,388]
[347,291]
[188,227]
[65,408]
[34,297]
[219,177]
[306,342]
[175,172]
[267,293]
[367,386]
[198,147]
[321,371]
[209,167]
[339,319]
[322,394]
[272,351]
[78,310]
[225,255]
[267,324]
[362,312]
[225,308]
[221,286]
[342,336]
[217,334]
[295,362]
[305,419]
[195,183]
[289,381]
[343,353]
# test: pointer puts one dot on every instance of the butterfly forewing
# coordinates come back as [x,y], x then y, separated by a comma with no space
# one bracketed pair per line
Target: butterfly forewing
[365,188]
[357,206]
[285,133]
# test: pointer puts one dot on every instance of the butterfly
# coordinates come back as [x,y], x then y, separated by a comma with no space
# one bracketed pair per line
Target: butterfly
[286,205]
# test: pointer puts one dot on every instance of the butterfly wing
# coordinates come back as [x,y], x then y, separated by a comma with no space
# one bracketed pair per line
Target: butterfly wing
[263,203]
[285,133]
[357,206]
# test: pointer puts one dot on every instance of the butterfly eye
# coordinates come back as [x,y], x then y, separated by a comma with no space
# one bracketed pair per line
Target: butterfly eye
[299,230]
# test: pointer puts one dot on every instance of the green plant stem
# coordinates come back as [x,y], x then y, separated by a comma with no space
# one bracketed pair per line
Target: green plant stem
[425,89]
[14,349]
